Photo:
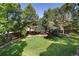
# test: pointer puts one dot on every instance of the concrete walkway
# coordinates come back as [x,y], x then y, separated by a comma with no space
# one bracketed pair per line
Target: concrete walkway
[36,35]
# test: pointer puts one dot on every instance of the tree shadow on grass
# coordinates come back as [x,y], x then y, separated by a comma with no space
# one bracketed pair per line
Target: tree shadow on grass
[66,39]
[14,49]
[74,38]
[60,50]
[55,38]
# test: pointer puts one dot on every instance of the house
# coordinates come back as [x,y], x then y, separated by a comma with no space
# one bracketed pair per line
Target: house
[32,30]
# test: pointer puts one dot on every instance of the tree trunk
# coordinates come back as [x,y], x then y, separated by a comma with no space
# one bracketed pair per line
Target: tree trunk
[62,29]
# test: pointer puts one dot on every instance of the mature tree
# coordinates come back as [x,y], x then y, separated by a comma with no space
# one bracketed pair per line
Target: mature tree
[30,16]
[9,14]
[55,18]
[14,16]
[73,8]
[47,20]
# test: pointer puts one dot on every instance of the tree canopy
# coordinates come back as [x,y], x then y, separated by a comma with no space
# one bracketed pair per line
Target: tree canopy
[13,18]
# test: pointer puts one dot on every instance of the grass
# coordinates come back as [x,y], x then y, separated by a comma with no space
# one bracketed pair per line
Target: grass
[36,45]
[13,49]
[39,45]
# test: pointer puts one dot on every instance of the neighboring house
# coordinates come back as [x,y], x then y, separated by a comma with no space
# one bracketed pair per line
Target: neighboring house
[31,30]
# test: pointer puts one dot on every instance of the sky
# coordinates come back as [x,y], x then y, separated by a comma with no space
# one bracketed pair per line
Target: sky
[40,7]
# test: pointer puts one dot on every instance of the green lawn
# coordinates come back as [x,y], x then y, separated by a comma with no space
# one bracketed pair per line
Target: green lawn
[40,45]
